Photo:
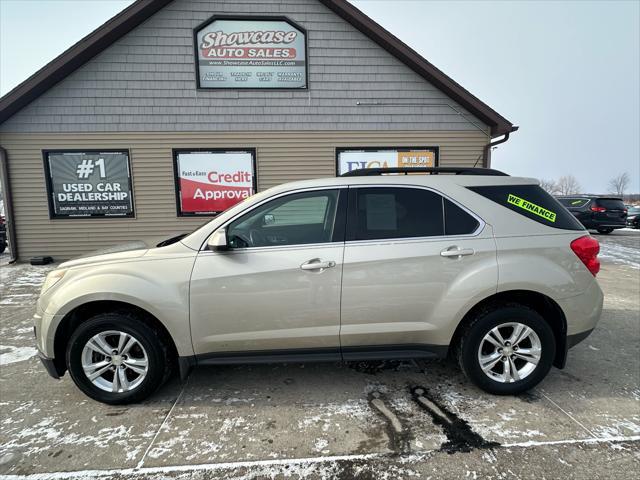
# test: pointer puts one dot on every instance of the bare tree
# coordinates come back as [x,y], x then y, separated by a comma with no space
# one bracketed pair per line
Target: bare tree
[619,183]
[568,185]
[549,185]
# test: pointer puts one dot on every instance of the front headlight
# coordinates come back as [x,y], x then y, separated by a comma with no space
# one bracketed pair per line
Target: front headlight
[53,278]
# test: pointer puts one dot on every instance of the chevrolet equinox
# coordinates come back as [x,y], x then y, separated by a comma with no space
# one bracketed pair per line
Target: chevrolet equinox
[473,264]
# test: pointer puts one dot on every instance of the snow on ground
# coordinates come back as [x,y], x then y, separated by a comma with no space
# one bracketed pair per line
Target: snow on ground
[621,247]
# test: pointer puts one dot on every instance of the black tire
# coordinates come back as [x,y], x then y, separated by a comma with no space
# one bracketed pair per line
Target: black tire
[3,246]
[157,356]
[605,231]
[486,320]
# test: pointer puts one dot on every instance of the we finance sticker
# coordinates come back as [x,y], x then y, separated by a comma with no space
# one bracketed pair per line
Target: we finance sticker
[532,208]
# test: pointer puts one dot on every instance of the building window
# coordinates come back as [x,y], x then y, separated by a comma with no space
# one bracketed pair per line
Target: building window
[349,159]
[88,183]
[210,181]
[250,52]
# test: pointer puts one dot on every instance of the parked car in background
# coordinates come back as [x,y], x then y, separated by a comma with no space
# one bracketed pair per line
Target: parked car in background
[600,213]
[483,267]
[3,234]
[633,216]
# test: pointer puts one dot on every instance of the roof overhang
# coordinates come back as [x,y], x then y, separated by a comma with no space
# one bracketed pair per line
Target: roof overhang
[141,10]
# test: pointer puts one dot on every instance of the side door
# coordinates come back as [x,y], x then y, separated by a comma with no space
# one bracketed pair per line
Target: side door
[412,257]
[277,288]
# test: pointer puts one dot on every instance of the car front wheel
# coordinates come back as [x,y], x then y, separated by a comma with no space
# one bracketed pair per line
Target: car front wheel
[115,358]
[507,350]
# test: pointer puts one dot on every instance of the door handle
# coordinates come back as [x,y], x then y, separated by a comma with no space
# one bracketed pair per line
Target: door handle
[316,264]
[455,252]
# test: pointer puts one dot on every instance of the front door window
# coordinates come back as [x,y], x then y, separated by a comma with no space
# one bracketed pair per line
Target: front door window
[296,219]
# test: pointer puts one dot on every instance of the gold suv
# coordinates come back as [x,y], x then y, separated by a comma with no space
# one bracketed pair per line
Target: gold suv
[474,264]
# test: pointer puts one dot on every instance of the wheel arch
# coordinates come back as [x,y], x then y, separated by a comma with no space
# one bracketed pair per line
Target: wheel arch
[541,303]
[85,311]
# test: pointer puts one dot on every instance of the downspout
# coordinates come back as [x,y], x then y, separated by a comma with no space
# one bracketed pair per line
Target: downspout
[486,154]
[8,204]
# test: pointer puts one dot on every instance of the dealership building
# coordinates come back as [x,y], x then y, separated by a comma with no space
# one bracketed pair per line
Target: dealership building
[174,110]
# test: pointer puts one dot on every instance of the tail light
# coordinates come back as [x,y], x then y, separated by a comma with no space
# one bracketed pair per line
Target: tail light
[587,249]
[598,209]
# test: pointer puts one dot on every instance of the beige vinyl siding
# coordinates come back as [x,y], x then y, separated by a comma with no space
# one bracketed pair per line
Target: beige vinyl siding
[281,157]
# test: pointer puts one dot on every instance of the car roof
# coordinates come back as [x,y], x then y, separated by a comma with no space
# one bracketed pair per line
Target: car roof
[596,197]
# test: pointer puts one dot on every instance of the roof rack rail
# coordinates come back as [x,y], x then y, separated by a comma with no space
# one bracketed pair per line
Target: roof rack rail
[369,172]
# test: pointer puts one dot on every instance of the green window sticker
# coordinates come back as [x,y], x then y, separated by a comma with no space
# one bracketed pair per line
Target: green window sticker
[531,207]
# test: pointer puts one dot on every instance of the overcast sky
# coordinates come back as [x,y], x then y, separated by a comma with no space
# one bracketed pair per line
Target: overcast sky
[568,73]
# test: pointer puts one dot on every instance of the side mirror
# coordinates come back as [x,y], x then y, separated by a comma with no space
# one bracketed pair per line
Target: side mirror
[218,241]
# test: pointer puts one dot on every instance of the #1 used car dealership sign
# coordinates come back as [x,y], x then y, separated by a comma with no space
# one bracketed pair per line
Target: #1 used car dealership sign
[88,184]
[251,53]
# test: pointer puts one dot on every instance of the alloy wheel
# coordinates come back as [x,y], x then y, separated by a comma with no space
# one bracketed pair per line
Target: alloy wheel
[509,352]
[115,361]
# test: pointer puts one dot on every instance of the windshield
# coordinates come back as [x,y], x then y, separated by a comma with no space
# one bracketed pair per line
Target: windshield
[634,210]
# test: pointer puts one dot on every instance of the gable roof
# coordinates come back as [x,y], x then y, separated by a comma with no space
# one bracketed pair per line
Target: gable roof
[141,10]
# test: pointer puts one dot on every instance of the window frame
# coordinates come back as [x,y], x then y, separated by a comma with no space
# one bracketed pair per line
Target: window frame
[49,183]
[339,222]
[434,148]
[352,213]
[175,153]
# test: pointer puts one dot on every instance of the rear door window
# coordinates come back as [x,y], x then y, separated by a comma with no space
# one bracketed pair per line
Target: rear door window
[383,213]
[533,202]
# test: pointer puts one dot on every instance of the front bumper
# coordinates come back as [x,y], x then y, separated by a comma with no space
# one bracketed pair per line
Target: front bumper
[573,340]
[49,366]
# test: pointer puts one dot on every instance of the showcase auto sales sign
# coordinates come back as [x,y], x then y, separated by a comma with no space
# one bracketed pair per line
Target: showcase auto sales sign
[251,54]
[210,182]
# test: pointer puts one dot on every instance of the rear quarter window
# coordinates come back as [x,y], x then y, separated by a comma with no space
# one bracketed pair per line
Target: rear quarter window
[574,202]
[532,202]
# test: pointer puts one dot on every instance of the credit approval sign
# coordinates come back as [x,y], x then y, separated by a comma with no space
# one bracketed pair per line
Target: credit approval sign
[209,182]
[250,52]
[349,159]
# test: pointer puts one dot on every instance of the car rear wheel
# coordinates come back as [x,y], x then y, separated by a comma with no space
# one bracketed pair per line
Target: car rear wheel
[605,231]
[507,350]
[115,358]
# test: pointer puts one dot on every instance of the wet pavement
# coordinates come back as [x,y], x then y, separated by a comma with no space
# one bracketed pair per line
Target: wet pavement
[362,420]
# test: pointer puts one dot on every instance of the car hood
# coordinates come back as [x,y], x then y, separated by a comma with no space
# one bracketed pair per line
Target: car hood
[121,251]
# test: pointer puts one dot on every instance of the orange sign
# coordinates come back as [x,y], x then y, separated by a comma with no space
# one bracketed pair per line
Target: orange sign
[423,158]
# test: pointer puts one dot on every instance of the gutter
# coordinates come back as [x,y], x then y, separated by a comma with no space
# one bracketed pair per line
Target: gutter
[8,205]
[486,153]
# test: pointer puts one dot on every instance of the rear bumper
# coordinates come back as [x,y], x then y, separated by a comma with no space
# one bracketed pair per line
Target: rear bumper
[604,224]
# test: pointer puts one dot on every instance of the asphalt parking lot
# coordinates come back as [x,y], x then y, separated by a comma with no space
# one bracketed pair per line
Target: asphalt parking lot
[366,420]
